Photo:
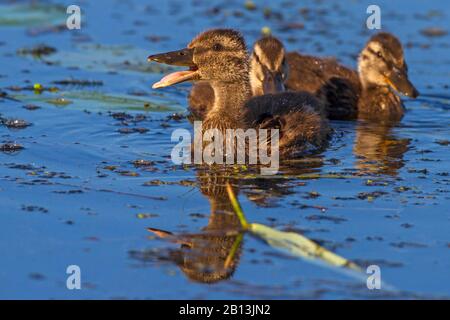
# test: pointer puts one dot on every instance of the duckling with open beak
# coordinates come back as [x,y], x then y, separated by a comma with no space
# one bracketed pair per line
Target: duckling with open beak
[268,71]
[220,57]
[182,58]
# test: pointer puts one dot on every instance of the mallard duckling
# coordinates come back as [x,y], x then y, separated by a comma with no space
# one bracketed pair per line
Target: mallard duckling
[370,93]
[268,66]
[383,73]
[268,71]
[220,57]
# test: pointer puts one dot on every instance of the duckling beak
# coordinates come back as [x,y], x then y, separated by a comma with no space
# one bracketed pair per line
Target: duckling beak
[398,80]
[182,58]
[273,83]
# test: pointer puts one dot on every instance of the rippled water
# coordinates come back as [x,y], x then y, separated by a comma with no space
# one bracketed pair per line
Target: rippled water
[76,193]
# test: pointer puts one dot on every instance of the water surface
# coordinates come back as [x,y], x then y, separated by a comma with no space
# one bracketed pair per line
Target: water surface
[78,194]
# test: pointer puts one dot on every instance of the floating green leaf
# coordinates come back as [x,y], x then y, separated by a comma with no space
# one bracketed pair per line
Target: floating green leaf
[290,242]
[299,245]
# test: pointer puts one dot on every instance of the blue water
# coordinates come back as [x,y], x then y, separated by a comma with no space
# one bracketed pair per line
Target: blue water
[73,196]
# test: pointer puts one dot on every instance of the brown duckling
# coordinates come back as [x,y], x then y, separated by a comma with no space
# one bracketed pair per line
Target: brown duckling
[268,66]
[383,73]
[370,93]
[268,71]
[220,57]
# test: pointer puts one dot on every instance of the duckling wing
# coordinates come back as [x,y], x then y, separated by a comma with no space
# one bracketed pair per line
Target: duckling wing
[336,86]
[278,104]
[306,73]
[340,97]
[302,129]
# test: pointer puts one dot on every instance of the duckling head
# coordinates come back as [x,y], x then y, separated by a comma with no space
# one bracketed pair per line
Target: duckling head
[382,64]
[268,66]
[214,55]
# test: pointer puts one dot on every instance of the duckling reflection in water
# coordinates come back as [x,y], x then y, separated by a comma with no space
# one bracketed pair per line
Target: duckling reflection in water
[371,93]
[220,57]
[213,254]
[268,71]
[377,149]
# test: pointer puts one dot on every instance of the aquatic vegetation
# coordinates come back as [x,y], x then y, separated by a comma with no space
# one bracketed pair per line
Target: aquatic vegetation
[31,14]
[250,5]
[78,82]
[290,242]
[94,101]
[14,123]
[60,101]
[433,32]
[104,58]
[10,147]
[37,51]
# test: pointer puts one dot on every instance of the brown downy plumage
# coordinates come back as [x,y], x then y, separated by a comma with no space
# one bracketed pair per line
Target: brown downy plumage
[302,128]
[200,99]
[336,86]
[268,71]
[370,93]
[220,57]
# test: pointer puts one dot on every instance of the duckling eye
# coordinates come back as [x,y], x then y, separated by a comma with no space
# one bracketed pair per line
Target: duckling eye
[379,54]
[217,47]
